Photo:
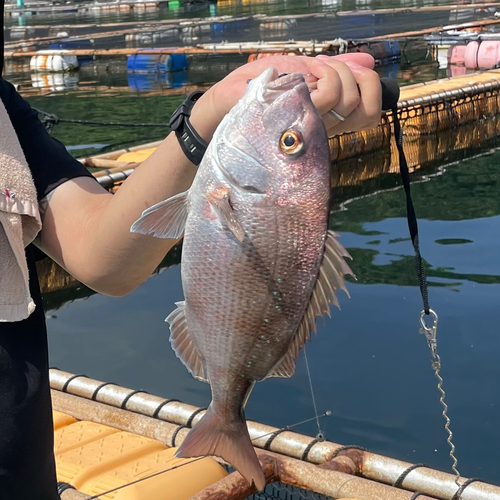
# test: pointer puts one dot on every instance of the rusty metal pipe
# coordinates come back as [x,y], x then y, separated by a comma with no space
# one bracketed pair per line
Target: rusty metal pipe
[235,486]
[303,475]
[369,465]
[82,409]
[73,495]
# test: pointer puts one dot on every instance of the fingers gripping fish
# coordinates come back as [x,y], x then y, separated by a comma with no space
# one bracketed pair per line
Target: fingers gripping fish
[258,262]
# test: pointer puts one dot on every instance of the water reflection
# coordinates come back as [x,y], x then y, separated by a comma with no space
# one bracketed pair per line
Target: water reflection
[369,365]
[366,190]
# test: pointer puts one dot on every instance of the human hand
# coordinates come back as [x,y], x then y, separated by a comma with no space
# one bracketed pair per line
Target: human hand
[345,83]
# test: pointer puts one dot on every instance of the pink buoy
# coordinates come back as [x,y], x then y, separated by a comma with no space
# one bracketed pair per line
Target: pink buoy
[456,55]
[488,54]
[456,70]
[470,55]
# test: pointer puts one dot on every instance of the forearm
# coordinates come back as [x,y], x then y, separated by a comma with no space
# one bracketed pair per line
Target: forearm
[102,252]
[87,230]
[111,246]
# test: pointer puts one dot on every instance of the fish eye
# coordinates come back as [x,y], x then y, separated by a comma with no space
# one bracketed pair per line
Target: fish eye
[291,142]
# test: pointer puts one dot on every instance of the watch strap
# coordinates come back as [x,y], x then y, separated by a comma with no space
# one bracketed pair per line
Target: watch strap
[192,144]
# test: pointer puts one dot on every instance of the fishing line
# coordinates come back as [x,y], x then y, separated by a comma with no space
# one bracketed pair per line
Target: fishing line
[321,435]
[144,478]
[288,427]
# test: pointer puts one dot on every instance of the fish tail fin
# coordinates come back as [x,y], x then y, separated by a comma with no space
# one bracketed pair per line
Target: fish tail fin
[228,440]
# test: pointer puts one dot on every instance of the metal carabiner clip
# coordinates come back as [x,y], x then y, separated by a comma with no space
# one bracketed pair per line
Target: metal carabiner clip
[430,332]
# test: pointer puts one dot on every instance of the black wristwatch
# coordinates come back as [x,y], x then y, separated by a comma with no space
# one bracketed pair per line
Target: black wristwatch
[192,144]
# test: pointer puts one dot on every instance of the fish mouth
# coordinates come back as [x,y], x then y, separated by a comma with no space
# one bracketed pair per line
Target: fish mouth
[276,84]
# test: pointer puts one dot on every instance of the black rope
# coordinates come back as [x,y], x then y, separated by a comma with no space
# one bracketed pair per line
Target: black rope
[98,388]
[65,386]
[308,449]
[63,487]
[410,210]
[267,446]
[347,447]
[416,495]
[123,406]
[50,119]
[191,418]
[458,494]
[174,436]
[161,405]
[399,481]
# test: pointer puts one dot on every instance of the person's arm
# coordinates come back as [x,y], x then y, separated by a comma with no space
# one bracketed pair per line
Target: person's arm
[87,230]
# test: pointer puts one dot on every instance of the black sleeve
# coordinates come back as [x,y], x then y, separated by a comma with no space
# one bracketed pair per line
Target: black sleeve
[51,165]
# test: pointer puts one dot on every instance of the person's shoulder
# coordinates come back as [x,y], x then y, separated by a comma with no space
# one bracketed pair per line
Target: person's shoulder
[7,92]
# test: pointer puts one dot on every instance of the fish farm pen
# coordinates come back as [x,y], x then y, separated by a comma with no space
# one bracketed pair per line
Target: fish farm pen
[329,469]
[87,66]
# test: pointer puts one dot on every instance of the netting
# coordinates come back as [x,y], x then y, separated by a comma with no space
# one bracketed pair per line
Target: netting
[280,491]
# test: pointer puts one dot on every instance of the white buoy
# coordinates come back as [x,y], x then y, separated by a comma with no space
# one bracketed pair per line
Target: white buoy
[53,61]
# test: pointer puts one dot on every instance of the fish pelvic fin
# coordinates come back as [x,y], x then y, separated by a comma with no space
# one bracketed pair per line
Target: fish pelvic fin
[183,343]
[166,219]
[330,279]
[213,435]
[219,199]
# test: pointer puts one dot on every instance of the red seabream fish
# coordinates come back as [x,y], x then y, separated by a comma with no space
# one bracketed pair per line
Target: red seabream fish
[258,261]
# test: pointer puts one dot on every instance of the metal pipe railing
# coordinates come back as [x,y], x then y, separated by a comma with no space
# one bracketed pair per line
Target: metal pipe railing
[175,413]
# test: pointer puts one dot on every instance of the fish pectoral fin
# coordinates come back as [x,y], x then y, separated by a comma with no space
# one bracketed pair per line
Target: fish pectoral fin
[330,279]
[166,219]
[219,199]
[183,344]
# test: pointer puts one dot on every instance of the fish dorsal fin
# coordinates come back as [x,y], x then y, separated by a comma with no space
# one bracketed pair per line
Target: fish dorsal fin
[330,279]
[166,219]
[183,344]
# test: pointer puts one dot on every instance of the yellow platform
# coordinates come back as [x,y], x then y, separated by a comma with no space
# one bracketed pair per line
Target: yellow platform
[137,156]
[96,458]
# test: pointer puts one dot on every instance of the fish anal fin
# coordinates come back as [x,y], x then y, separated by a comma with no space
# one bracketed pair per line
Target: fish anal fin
[166,219]
[183,344]
[219,199]
[214,435]
[330,279]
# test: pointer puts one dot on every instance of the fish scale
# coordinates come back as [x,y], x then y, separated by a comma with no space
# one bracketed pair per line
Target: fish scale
[255,236]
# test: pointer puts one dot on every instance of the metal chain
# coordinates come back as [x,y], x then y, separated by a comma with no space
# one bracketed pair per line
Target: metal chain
[436,365]
[431,335]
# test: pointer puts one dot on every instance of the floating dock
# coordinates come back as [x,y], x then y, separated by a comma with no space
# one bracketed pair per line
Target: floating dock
[423,109]
[325,467]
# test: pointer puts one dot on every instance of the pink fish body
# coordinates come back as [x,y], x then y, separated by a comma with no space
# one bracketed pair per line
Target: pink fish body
[258,261]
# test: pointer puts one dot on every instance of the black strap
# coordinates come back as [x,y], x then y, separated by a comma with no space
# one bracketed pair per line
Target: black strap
[98,388]
[161,405]
[267,446]
[73,377]
[399,481]
[174,436]
[123,406]
[189,423]
[63,487]
[416,495]
[336,453]
[410,210]
[308,449]
[192,144]
[458,494]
